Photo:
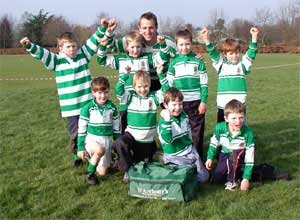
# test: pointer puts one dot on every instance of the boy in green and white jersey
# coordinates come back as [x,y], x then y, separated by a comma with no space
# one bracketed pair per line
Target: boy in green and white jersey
[236,139]
[188,74]
[72,75]
[174,133]
[133,60]
[138,141]
[98,121]
[231,70]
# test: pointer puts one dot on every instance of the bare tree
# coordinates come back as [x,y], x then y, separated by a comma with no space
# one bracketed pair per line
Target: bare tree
[263,19]
[239,28]
[288,21]
[54,27]
[6,33]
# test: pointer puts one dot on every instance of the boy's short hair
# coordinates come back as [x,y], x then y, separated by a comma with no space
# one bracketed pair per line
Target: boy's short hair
[234,106]
[230,45]
[183,34]
[134,36]
[65,37]
[149,16]
[100,84]
[141,75]
[172,94]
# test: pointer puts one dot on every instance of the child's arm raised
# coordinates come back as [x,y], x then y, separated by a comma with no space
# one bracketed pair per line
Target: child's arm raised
[254,33]
[250,55]
[91,45]
[45,56]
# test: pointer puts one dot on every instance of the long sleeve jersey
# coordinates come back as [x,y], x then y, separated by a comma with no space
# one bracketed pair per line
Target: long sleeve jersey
[146,61]
[188,74]
[97,120]
[141,111]
[232,77]
[243,140]
[118,45]
[175,134]
[72,75]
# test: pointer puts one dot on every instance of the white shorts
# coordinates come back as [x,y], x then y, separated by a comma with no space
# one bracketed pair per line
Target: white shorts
[92,142]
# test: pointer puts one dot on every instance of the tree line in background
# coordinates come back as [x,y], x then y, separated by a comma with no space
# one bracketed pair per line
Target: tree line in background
[281,27]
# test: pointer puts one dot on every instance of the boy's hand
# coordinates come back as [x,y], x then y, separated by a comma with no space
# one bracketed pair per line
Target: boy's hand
[112,25]
[24,41]
[165,114]
[159,68]
[204,35]
[104,22]
[160,39]
[208,164]
[83,155]
[245,185]
[202,108]
[254,33]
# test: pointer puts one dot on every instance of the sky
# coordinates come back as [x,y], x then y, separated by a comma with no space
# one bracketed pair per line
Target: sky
[196,12]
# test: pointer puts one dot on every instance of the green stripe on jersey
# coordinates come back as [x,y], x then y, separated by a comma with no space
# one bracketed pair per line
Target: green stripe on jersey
[74,82]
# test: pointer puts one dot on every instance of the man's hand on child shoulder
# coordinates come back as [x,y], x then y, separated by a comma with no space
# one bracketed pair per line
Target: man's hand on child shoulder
[24,41]
[165,114]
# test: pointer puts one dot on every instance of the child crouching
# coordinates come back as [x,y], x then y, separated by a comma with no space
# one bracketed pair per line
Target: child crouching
[98,121]
[236,140]
[175,134]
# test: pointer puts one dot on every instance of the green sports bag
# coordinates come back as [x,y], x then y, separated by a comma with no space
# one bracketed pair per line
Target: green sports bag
[163,181]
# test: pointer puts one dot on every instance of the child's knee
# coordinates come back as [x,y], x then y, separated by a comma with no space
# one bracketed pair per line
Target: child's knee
[102,171]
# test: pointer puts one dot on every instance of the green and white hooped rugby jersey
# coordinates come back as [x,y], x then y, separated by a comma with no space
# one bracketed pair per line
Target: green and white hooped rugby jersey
[232,77]
[97,120]
[243,140]
[73,77]
[188,74]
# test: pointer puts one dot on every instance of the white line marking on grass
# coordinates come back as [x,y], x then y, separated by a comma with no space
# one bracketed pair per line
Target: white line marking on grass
[41,78]
[270,67]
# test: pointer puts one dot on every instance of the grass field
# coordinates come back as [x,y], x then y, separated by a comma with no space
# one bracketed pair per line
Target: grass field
[38,182]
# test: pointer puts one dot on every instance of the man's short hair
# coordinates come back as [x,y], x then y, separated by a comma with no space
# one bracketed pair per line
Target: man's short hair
[100,84]
[172,94]
[183,34]
[149,16]
[66,37]
[141,75]
[234,106]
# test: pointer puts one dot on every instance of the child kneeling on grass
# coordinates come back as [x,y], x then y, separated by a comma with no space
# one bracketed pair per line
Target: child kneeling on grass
[175,134]
[138,141]
[98,121]
[236,159]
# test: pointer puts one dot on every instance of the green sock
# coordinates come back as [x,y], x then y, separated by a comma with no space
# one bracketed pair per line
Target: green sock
[91,168]
[76,157]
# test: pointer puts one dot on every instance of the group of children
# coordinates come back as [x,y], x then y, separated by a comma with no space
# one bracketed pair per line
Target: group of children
[153,71]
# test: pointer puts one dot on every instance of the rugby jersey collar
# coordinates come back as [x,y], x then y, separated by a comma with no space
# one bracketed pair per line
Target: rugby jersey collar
[101,108]
[241,132]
